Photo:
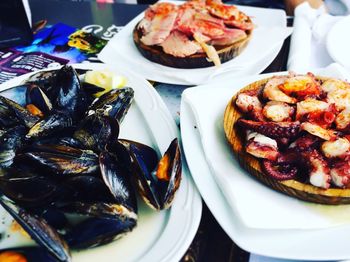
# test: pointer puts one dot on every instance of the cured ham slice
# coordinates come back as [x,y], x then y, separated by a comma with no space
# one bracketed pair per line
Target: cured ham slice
[178,44]
[161,24]
[230,37]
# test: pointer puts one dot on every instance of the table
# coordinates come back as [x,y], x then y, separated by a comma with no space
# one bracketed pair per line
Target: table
[210,243]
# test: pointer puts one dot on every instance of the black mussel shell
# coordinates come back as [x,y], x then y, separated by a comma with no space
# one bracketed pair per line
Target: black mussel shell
[114,103]
[117,180]
[111,210]
[26,254]
[64,160]
[95,231]
[39,230]
[37,97]
[45,80]
[168,174]
[27,188]
[7,117]
[143,161]
[52,124]
[70,96]
[79,188]
[22,114]
[10,142]
[96,130]
[157,186]
[91,89]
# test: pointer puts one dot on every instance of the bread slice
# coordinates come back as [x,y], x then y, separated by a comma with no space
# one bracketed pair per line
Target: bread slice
[294,188]
[155,53]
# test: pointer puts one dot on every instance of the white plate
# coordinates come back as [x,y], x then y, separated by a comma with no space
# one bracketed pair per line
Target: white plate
[312,244]
[259,53]
[159,236]
[338,42]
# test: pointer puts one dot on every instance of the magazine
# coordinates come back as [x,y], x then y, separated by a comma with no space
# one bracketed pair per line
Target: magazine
[52,46]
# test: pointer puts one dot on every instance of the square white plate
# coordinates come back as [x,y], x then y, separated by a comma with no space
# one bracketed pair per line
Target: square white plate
[267,40]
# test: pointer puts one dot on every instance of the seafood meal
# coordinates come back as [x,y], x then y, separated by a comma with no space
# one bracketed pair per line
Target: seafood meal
[195,34]
[60,156]
[292,132]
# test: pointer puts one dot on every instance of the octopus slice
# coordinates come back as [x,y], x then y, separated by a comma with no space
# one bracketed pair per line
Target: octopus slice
[340,173]
[272,129]
[278,111]
[336,148]
[331,85]
[318,131]
[261,146]
[274,93]
[310,105]
[319,171]
[250,104]
[279,171]
[339,97]
[342,120]
[301,86]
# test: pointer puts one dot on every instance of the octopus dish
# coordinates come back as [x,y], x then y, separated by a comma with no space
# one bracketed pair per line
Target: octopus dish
[292,132]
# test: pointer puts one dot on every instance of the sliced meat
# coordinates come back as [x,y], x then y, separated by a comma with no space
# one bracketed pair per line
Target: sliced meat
[178,44]
[161,25]
[230,37]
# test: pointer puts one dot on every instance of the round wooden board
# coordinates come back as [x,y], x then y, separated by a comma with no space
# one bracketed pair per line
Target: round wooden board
[156,54]
[306,192]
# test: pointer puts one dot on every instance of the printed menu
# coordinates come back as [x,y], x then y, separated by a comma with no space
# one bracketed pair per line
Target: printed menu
[52,46]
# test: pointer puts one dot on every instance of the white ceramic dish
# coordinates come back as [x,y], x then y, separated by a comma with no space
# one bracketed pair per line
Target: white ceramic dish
[159,236]
[306,244]
[338,42]
[259,53]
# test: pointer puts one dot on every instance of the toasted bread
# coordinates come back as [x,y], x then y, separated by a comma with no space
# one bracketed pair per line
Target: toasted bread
[199,60]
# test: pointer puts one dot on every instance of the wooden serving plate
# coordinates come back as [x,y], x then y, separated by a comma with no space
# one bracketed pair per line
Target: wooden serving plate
[294,188]
[155,53]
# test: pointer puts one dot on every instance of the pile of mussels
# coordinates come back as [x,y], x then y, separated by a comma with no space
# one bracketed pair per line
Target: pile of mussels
[60,154]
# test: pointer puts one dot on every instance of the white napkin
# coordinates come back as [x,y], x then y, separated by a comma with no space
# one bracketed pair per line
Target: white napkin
[308,41]
[254,58]
[257,205]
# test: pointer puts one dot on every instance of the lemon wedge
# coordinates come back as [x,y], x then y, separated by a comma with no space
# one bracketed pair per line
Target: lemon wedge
[106,79]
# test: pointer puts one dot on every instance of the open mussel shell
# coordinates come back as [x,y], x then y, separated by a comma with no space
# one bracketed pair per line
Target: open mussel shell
[26,254]
[96,130]
[22,114]
[39,230]
[45,80]
[50,125]
[95,231]
[117,179]
[64,160]
[11,141]
[37,97]
[143,160]
[168,174]
[156,185]
[114,103]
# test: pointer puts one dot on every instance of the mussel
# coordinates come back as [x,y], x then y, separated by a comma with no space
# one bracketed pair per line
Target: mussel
[157,182]
[61,157]
[12,140]
[114,103]
[39,230]
[64,160]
